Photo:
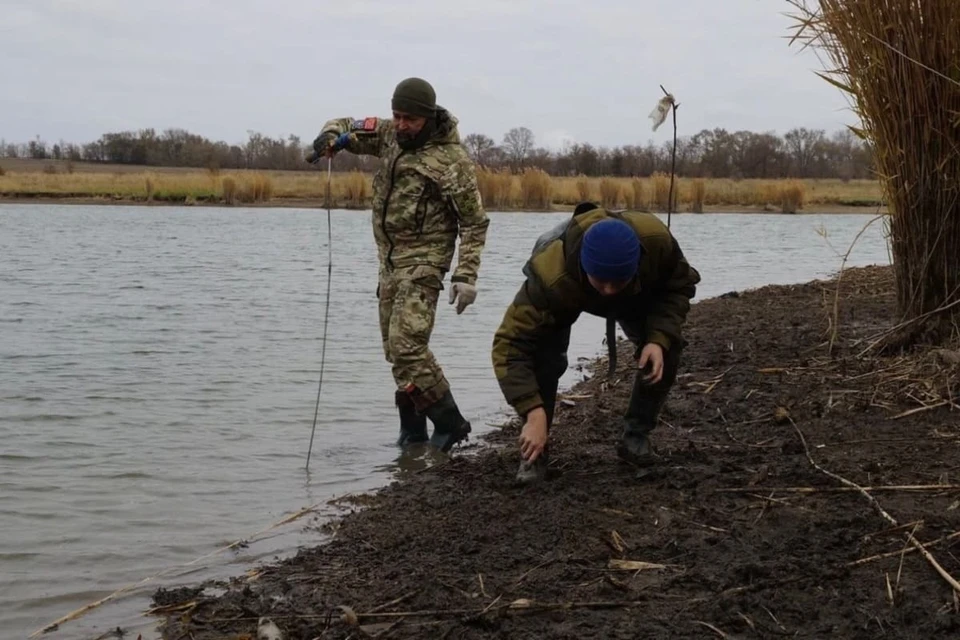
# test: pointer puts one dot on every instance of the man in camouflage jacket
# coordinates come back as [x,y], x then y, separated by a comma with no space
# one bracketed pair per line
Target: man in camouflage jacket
[425,195]
[621,266]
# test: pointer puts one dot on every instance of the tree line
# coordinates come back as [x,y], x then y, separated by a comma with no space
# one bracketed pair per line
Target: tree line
[711,153]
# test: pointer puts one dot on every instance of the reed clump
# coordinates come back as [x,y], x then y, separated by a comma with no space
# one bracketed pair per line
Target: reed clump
[536,190]
[791,196]
[584,190]
[256,187]
[899,63]
[661,191]
[229,190]
[149,187]
[496,189]
[610,193]
[355,189]
[698,195]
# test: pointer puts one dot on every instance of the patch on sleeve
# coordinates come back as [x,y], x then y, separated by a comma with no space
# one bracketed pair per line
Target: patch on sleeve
[366,124]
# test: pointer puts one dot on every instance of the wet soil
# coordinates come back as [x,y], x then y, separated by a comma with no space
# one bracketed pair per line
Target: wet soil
[744,536]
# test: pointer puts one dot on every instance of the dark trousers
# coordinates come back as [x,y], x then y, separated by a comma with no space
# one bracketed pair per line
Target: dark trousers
[646,400]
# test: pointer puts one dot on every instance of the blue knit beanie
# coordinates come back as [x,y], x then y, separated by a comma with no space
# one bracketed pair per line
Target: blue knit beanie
[610,251]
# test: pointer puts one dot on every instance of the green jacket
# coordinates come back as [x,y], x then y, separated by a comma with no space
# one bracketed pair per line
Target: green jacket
[556,292]
[422,199]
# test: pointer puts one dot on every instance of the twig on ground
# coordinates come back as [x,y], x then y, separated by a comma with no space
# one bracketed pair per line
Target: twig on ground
[921,409]
[387,605]
[529,571]
[903,488]
[876,505]
[881,556]
[712,628]
[482,589]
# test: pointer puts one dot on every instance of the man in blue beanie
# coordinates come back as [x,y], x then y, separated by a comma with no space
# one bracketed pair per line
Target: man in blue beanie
[625,267]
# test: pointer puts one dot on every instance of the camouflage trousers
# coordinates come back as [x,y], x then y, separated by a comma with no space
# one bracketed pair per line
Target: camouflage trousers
[408,306]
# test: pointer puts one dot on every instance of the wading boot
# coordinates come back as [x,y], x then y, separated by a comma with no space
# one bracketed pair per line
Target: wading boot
[413,426]
[449,426]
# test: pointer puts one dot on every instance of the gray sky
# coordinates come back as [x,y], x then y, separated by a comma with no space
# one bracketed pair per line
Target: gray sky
[586,71]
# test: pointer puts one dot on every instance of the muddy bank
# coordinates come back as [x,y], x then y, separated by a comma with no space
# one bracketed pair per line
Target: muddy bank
[743,536]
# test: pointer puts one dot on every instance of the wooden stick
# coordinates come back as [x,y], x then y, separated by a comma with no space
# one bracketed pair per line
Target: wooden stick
[896,487]
[876,505]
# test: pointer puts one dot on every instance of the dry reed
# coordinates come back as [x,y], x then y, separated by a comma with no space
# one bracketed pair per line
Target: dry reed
[698,194]
[584,192]
[499,190]
[355,189]
[661,191]
[535,190]
[791,196]
[228,189]
[898,62]
[609,193]
[149,186]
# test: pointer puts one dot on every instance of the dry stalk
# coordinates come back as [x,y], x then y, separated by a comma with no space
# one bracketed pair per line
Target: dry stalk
[883,556]
[876,505]
[712,628]
[847,489]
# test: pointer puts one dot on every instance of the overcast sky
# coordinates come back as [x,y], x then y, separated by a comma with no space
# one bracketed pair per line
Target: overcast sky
[585,71]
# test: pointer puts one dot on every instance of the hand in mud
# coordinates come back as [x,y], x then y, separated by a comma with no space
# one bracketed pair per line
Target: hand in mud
[652,356]
[533,437]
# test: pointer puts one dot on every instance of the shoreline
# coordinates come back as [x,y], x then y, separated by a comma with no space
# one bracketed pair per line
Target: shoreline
[318,203]
[730,541]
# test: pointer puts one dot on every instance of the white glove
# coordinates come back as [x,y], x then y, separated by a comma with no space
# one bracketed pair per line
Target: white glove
[464,294]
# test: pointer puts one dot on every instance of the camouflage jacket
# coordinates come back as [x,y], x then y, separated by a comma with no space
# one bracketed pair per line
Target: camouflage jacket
[556,292]
[422,199]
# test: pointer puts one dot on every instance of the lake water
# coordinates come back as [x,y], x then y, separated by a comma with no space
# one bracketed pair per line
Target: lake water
[159,370]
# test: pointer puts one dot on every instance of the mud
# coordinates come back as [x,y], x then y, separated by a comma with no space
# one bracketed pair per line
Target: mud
[747,539]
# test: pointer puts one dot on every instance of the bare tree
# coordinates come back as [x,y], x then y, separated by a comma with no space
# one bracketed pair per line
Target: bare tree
[479,147]
[517,143]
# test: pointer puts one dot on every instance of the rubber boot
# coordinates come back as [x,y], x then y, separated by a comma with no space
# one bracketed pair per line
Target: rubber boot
[413,426]
[449,426]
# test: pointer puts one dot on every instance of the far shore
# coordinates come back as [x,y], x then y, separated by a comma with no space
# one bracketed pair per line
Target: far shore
[318,203]
[530,190]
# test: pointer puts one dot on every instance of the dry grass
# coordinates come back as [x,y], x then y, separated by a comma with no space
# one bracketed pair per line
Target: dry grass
[532,190]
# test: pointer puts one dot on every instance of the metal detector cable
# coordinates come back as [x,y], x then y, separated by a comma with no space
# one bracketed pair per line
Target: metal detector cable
[326,313]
